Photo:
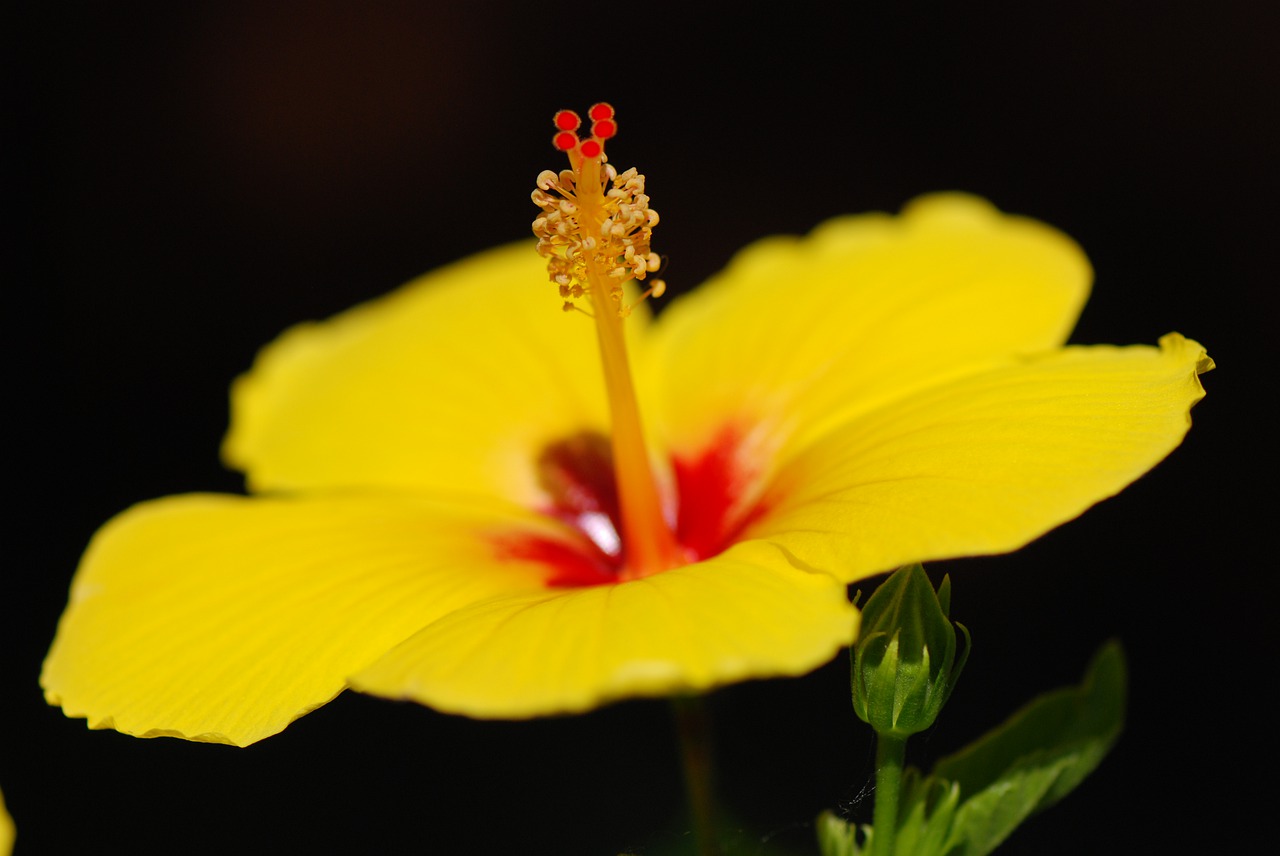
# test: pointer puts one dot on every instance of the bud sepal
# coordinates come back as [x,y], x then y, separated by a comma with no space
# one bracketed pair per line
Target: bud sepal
[905,663]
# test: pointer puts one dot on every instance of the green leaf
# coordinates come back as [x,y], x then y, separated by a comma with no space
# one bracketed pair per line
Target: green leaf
[1036,756]
[928,809]
[836,837]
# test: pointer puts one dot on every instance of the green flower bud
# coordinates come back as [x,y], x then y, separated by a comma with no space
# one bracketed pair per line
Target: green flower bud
[904,663]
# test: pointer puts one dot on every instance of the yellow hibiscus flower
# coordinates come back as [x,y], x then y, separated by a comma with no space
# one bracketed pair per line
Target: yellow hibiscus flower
[454,499]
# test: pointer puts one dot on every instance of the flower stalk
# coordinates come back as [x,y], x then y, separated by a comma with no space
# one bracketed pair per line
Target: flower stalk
[693,725]
[891,753]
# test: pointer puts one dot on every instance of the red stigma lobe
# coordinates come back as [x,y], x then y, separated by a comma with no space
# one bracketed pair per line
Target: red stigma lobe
[565,141]
[603,127]
[567,120]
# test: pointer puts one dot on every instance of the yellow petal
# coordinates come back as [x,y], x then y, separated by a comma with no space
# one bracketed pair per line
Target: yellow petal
[6,830]
[454,382]
[986,463]
[797,332]
[222,619]
[745,614]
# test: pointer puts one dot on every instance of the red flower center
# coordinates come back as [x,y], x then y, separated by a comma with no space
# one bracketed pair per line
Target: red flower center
[713,507]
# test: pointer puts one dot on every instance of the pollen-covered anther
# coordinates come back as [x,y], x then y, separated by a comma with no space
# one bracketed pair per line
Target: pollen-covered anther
[547,180]
[595,222]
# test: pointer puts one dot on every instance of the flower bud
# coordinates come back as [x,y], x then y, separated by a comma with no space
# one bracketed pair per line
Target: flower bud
[904,663]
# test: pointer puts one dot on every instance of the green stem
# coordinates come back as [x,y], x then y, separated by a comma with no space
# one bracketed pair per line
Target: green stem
[890,754]
[693,724]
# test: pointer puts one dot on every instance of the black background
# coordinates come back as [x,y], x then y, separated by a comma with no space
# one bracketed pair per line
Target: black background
[187,180]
